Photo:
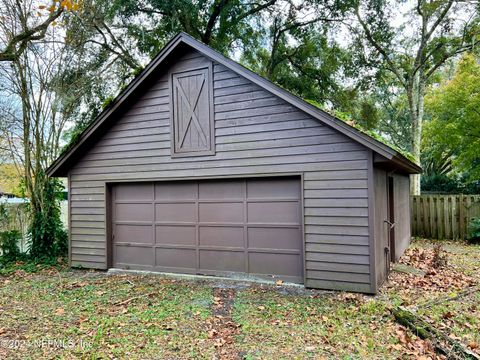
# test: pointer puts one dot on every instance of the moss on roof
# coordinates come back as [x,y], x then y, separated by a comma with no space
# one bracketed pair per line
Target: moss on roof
[349,121]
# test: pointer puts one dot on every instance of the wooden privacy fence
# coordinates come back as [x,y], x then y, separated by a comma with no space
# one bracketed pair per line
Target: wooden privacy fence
[443,216]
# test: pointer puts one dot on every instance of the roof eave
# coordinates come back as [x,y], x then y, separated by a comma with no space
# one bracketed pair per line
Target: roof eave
[406,164]
[55,169]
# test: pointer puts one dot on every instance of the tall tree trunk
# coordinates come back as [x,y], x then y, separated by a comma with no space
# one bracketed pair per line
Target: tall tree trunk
[46,235]
[416,100]
[26,107]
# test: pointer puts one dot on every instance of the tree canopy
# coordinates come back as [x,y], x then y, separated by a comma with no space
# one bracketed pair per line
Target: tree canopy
[452,136]
[413,49]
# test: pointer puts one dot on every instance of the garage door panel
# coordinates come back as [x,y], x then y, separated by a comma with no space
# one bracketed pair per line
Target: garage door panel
[273,238]
[176,212]
[221,190]
[221,236]
[175,235]
[214,227]
[273,212]
[175,191]
[271,189]
[180,258]
[134,255]
[222,260]
[221,212]
[134,234]
[136,191]
[133,212]
[275,264]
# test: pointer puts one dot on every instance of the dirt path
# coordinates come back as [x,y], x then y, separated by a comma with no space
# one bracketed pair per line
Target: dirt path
[221,327]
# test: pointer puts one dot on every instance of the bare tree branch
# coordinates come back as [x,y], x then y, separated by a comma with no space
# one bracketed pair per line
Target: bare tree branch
[219,5]
[256,9]
[18,43]
[391,66]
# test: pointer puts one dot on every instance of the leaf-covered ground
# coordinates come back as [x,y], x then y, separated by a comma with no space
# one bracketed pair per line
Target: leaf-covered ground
[448,297]
[91,315]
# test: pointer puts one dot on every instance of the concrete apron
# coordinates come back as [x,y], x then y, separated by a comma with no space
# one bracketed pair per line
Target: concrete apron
[237,281]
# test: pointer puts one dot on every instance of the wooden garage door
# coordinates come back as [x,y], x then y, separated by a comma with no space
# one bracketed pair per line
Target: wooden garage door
[228,227]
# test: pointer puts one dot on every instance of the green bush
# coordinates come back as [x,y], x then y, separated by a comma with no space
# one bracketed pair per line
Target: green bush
[474,230]
[48,237]
[448,184]
[10,236]
[9,245]
[440,183]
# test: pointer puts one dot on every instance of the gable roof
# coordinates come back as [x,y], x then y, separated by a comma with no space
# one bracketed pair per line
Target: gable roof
[60,166]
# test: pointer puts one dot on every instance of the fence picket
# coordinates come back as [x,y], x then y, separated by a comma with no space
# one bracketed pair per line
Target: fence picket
[446,216]
[440,218]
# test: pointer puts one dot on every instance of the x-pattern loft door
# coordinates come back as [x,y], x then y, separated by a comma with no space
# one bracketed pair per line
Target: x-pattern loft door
[192,118]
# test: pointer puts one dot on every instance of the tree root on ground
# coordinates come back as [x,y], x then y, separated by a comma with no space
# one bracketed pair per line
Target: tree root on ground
[442,342]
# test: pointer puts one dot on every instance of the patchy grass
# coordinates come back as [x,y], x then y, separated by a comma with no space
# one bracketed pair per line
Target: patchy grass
[459,317]
[59,313]
[103,317]
[335,326]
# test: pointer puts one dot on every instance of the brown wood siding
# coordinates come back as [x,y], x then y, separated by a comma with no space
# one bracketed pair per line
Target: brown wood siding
[402,214]
[381,228]
[256,134]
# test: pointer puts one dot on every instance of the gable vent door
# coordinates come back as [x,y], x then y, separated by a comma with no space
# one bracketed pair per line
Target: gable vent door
[192,114]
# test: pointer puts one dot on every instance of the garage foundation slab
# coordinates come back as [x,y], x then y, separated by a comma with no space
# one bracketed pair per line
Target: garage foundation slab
[234,281]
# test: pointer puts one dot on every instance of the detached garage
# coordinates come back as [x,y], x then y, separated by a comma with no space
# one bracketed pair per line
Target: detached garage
[202,167]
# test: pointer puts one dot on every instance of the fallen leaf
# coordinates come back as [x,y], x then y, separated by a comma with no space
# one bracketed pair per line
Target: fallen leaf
[454,337]
[219,342]
[212,333]
[448,315]
[60,312]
